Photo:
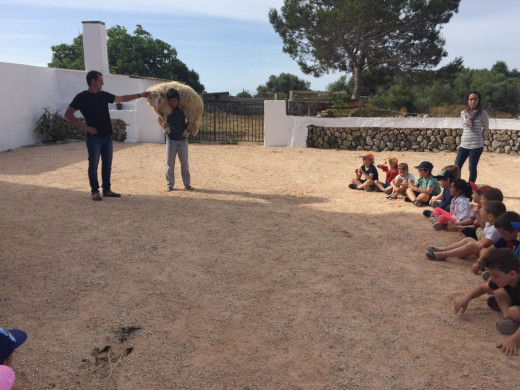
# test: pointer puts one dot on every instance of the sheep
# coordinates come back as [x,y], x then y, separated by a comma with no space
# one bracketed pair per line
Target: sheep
[189,102]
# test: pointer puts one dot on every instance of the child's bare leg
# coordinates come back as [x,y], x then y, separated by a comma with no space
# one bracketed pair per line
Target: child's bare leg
[402,189]
[514,313]
[423,198]
[355,181]
[503,301]
[411,194]
[457,244]
[378,184]
[367,183]
[462,252]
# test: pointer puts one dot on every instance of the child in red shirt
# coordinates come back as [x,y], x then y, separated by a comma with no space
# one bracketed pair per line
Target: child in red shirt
[390,167]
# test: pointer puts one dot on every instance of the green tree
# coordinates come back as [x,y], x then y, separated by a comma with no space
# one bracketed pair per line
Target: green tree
[281,85]
[68,56]
[134,55]
[500,87]
[244,94]
[340,85]
[355,35]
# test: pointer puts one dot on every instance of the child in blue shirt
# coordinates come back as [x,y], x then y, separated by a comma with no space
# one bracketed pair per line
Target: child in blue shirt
[366,175]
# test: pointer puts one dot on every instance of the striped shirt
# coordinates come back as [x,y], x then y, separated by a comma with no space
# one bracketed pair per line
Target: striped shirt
[472,138]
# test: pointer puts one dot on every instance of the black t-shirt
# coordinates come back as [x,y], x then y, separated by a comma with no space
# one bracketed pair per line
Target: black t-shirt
[501,243]
[177,124]
[513,292]
[94,108]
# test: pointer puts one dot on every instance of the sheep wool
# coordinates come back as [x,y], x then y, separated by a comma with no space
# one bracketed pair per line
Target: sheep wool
[189,102]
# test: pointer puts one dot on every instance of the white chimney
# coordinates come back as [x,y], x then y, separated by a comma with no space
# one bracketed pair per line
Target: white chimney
[95,46]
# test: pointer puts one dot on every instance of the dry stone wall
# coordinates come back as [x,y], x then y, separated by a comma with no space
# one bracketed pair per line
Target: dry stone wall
[396,139]
[118,130]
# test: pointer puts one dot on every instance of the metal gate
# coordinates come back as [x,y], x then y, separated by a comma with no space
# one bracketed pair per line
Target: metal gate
[232,121]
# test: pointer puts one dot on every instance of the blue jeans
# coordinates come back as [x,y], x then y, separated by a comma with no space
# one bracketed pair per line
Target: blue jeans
[474,156]
[99,147]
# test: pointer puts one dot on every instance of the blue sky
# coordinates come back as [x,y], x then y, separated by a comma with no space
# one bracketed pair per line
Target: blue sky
[230,43]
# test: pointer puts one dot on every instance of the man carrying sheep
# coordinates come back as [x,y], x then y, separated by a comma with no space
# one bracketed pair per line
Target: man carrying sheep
[176,142]
[93,105]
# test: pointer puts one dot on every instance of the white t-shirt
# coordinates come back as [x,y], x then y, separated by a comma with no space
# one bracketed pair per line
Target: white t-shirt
[491,233]
[408,177]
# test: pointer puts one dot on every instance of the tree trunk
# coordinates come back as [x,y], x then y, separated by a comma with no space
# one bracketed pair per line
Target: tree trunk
[358,82]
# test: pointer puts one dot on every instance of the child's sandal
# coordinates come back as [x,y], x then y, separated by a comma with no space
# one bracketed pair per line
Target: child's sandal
[431,256]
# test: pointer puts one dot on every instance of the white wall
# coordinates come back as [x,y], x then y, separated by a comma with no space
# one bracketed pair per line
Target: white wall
[281,129]
[25,90]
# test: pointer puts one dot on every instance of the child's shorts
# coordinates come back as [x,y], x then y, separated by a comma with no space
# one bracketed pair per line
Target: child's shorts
[419,193]
[385,185]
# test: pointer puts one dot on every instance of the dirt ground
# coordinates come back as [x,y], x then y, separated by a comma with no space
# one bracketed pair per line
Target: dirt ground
[272,275]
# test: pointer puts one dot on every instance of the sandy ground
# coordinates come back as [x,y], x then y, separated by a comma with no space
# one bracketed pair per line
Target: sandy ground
[272,275]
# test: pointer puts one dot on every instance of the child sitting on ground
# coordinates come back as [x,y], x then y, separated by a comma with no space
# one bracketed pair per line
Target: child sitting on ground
[401,182]
[475,206]
[508,225]
[476,231]
[504,270]
[7,378]
[391,169]
[9,341]
[445,179]
[459,208]
[469,247]
[425,187]
[366,175]
[443,199]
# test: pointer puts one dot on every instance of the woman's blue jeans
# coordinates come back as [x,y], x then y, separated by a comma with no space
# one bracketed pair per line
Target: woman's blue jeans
[99,147]
[474,156]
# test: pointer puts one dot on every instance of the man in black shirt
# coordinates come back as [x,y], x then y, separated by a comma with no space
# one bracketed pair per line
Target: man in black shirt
[176,142]
[93,105]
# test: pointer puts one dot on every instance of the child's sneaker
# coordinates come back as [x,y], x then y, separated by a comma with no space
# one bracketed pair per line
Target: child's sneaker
[352,186]
[439,226]
[507,326]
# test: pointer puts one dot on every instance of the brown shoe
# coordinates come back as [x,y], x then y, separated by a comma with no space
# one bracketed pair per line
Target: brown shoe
[111,194]
[96,196]
[189,188]
[168,189]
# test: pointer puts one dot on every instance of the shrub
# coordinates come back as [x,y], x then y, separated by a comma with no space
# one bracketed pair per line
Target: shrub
[51,127]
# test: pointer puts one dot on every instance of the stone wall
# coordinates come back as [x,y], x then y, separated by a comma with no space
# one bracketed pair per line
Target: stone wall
[118,130]
[396,139]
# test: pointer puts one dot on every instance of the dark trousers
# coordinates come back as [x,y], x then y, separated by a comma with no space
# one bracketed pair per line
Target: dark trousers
[474,156]
[99,147]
